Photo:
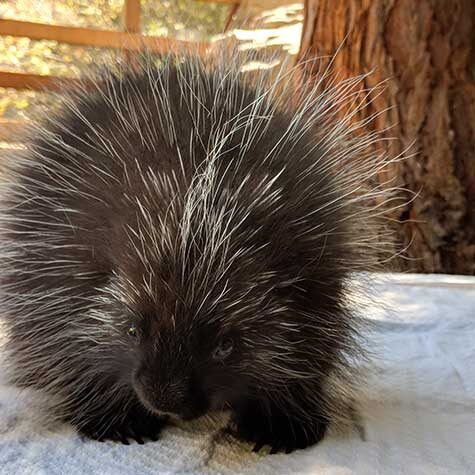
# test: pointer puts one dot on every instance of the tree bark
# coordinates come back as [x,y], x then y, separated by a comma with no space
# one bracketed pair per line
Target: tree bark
[425,49]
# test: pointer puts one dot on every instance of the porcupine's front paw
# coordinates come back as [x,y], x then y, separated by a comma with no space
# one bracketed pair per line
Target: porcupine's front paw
[138,425]
[282,432]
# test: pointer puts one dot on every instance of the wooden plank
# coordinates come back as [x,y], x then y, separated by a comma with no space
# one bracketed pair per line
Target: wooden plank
[11,129]
[94,37]
[33,82]
[227,2]
[232,11]
[132,16]
[64,34]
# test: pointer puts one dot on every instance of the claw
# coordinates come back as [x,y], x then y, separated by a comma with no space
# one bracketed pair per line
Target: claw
[136,427]
[258,446]
[275,449]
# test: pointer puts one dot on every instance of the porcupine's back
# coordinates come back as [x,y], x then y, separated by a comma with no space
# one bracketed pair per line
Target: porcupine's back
[181,174]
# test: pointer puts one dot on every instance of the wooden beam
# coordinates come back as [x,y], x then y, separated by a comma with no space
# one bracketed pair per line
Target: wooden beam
[62,34]
[132,16]
[11,129]
[227,2]
[94,37]
[232,11]
[131,20]
[33,82]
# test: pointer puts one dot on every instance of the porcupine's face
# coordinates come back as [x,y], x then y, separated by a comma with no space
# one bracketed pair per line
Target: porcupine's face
[184,373]
[182,363]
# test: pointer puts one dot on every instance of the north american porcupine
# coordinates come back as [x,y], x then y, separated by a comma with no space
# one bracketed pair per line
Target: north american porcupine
[178,238]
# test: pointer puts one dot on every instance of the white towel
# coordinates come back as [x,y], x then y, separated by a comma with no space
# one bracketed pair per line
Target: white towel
[418,415]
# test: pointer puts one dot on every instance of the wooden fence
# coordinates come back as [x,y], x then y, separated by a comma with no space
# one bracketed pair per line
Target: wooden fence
[129,40]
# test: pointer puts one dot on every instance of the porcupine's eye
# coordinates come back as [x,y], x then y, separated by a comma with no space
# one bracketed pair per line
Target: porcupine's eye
[224,349]
[132,331]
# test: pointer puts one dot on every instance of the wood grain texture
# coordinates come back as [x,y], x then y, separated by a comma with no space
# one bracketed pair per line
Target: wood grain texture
[93,37]
[132,16]
[227,2]
[35,82]
[425,51]
[11,129]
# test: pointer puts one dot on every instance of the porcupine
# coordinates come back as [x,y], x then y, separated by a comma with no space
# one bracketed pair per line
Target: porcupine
[177,238]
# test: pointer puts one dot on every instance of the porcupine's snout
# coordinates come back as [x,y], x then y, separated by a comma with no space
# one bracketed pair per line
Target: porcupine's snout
[175,392]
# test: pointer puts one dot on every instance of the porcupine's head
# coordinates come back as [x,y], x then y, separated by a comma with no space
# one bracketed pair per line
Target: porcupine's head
[201,225]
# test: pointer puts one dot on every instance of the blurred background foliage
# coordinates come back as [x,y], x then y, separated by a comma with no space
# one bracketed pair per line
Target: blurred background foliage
[189,20]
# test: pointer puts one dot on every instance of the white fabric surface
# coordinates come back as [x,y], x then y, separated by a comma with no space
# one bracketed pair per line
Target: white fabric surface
[418,415]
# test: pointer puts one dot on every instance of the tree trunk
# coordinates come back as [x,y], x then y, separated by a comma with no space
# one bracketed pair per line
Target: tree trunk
[425,49]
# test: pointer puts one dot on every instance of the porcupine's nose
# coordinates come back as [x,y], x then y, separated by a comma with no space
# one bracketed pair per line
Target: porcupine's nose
[176,397]
[170,398]
[183,400]
[158,396]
